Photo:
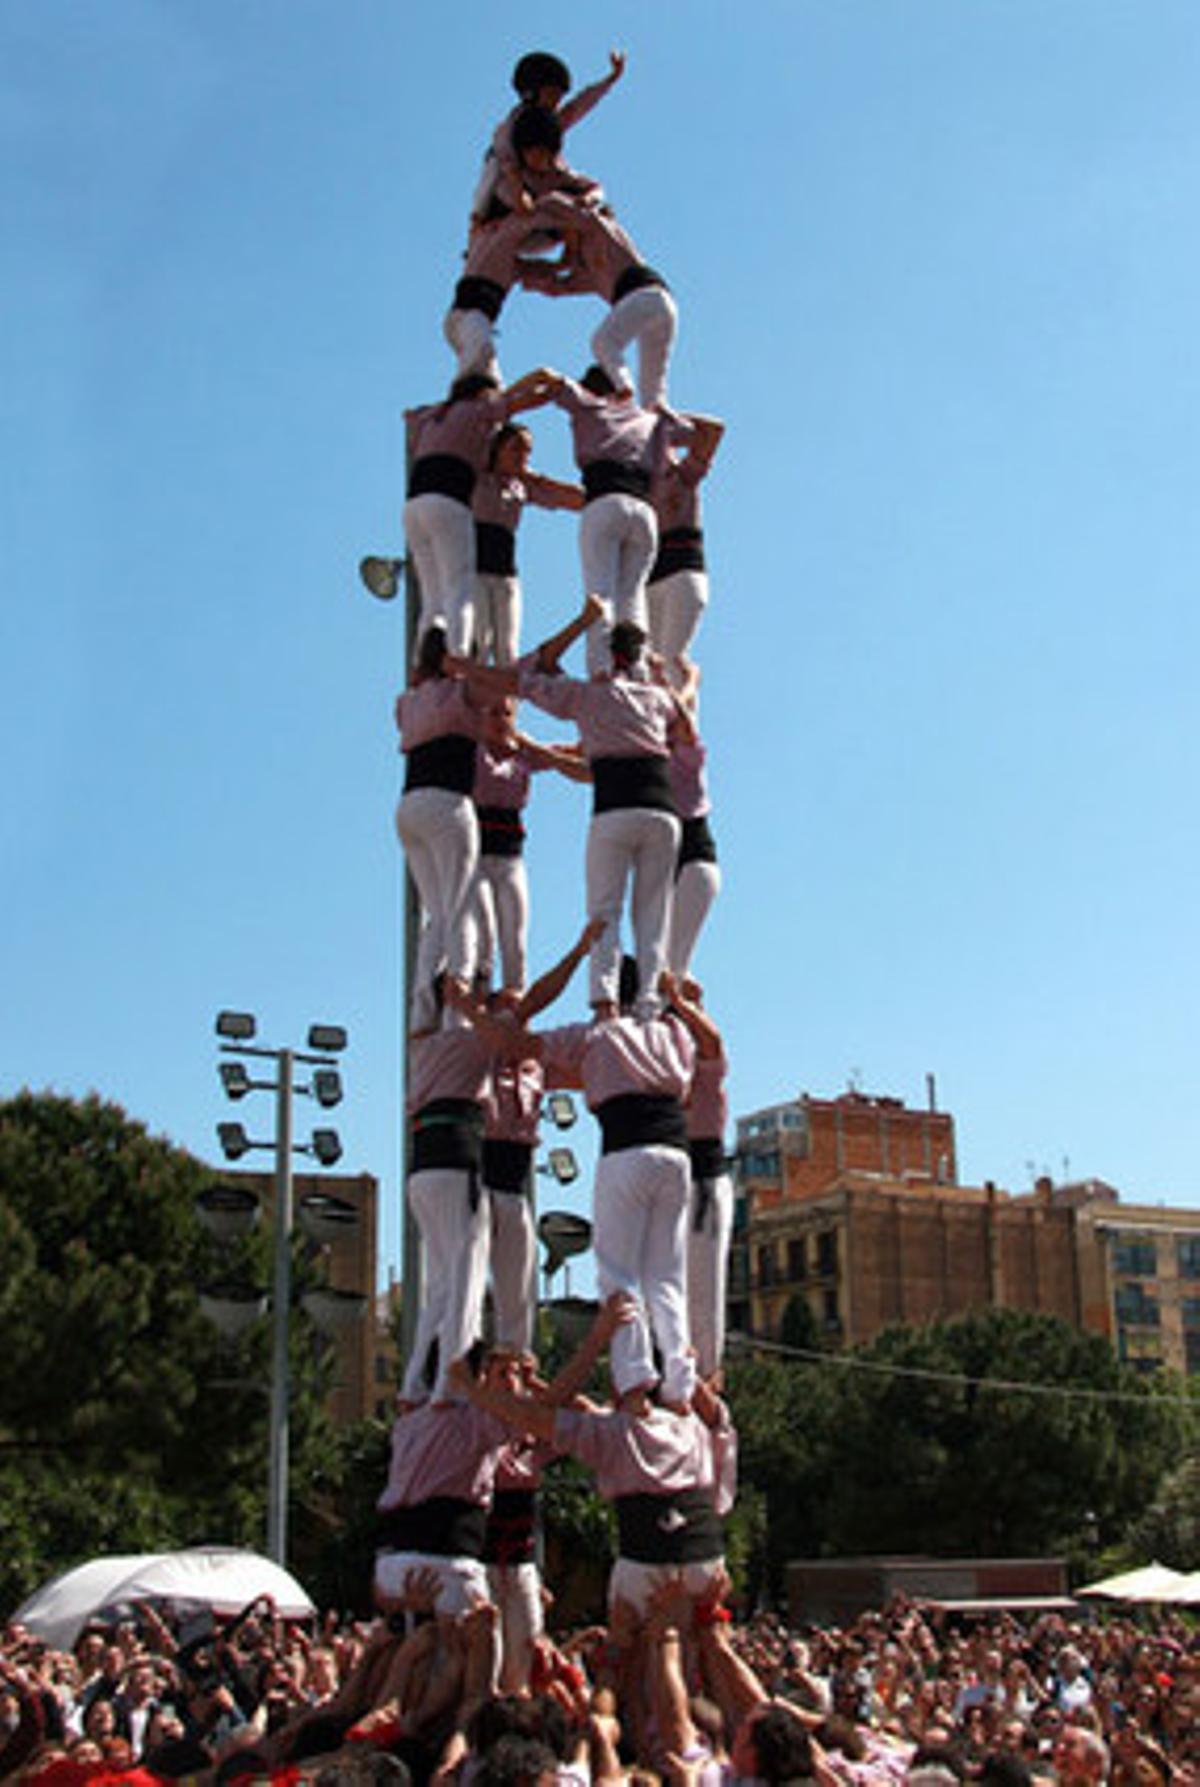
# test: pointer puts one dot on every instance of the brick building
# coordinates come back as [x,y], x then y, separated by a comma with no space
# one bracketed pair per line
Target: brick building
[849,1218]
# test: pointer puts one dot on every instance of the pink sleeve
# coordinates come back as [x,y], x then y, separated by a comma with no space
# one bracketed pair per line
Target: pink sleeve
[561,695]
[581,1434]
[725,1449]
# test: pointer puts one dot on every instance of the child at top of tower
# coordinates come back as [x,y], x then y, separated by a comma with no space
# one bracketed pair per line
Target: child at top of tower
[507,182]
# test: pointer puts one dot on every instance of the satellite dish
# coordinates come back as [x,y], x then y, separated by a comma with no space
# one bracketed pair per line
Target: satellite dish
[563,1235]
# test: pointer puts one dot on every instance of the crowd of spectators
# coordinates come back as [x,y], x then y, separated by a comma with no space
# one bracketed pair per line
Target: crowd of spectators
[686,1696]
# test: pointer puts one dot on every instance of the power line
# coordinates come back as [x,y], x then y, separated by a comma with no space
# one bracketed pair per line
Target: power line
[850,1362]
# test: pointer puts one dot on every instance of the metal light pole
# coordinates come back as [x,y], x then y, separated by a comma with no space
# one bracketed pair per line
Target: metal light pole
[237,1029]
[277,1472]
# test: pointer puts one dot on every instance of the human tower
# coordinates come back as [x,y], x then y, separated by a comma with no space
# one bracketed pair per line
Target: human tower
[649,1060]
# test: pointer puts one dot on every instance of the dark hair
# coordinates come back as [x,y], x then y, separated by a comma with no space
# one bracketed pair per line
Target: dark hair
[625,642]
[597,381]
[507,431]
[472,384]
[1002,1769]
[540,69]
[516,1762]
[431,650]
[535,128]
[782,1746]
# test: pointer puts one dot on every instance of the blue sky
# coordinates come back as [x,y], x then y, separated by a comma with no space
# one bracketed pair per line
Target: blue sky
[937,268]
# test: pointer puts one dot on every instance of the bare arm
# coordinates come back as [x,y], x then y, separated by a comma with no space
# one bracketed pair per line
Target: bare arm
[703,1031]
[510,1041]
[488,680]
[551,650]
[568,760]
[553,493]
[581,103]
[578,1368]
[550,986]
[521,1413]
[732,1683]
[707,433]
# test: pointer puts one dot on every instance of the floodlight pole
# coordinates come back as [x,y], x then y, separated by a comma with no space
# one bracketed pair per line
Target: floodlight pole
[277,1476]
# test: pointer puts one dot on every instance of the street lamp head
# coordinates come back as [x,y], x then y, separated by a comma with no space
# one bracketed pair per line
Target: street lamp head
[236,1026]
[234,1078]
[563,1165]
[327,1146]
[381,576]
[561,1107]
[327,1087]
[228,1211]
[233,1139]
[329,1039]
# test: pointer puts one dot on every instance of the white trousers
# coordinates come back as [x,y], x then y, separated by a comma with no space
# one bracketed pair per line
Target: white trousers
[461,1581]
[647,316]
[676,604]
[708,1258]
[639,1583]
[632,847]
[639,1234]
[440,835]
[497,618]
[517,1591]
[500,904]
[618,538]
[696,888]
[455,1241]
[472,336]
[514,1268]
[441,540]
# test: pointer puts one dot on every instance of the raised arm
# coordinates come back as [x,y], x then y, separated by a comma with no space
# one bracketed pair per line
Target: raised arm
[531,391]
[551,650]
[521,1413]
[706,436]
[511,1041]
[704,1032]
[550,986]
[486,680]
[615,1310]
[581,103]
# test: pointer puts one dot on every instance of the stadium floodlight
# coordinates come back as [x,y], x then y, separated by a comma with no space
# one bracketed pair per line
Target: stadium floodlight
[330,1039]
[334,1310]
[561,1107]
[236,1026]
[325,1218]
[381,576]
[228,1211]
[232,1308]
[327,1087]
[234,1078]
[326,1146]
[563,1165]
[563,1235]
[233,1139]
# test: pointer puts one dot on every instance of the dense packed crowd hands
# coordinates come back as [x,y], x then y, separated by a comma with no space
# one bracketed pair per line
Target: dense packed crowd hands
[683,1695]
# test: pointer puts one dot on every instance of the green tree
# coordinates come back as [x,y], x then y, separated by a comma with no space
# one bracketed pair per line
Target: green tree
[125,1422]
[1168,1532]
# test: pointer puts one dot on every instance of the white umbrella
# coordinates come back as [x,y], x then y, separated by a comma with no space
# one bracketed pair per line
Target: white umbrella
[209,1576]
[1154,1582]
[1187,1590]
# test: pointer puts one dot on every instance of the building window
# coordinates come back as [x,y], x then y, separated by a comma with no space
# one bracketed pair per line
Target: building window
[1189,1257]
[1136,1307]
[1142,1351]
[1135,1256]
[739,1272]
[832,1318]
[766,1266]
[1191,1351]
[759,1166]
[827,1253]
[796,1264]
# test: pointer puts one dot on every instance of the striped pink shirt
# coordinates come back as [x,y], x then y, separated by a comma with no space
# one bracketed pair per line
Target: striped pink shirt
[619,1055]
[617,716]
[659,1453]
[434,709]
[443,1450]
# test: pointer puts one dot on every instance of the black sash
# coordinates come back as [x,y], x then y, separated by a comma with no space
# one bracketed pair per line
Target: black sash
[448,1132]
[444,1526]
[631,782]
[635,279]
[641,1120]
[495,549]
[508,1166]
[446,762]
[473,293]
[696,842]
[501,831]
[612,477]
[679,549]
[442,474]
[708,1156]
[512,1528]
[683,1528]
